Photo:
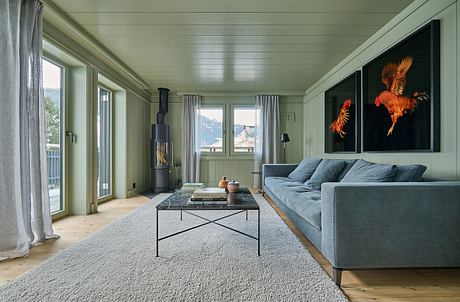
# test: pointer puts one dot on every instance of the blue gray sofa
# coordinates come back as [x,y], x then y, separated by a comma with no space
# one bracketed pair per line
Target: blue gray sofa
[377,224]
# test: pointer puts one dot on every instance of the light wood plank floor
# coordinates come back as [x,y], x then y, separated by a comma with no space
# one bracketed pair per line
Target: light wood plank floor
[363,286]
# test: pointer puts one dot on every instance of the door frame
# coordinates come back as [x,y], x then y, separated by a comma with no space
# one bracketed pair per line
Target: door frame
[105,198]
[63,139]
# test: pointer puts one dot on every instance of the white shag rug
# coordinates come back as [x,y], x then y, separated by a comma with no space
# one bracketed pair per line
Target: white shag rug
[210,263]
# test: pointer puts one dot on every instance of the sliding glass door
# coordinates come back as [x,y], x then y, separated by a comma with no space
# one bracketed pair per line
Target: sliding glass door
[104,143]
[53,99]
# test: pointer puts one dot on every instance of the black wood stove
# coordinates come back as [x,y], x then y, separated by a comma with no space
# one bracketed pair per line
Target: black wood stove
[161,147]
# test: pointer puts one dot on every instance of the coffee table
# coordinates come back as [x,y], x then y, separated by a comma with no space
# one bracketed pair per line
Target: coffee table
[241,202]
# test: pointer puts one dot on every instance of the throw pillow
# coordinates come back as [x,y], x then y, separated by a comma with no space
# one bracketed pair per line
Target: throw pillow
[409,172]
[349,163]
[328,170]
[305,169]
[364,171]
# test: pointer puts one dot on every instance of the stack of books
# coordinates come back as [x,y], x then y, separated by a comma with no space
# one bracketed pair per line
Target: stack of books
[209,195]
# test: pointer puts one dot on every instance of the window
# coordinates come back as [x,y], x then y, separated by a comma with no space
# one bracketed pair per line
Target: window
[104,143]
[212,129]
[243,129]
[53,91]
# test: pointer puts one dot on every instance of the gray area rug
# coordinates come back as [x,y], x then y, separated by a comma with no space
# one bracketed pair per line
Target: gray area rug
[211,263]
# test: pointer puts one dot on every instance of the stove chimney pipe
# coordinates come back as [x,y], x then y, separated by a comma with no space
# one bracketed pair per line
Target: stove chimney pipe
[163,93]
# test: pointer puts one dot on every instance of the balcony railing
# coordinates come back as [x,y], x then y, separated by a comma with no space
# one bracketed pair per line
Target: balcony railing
[53,158]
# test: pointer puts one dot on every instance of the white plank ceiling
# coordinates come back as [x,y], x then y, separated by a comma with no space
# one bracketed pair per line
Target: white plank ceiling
[231,45]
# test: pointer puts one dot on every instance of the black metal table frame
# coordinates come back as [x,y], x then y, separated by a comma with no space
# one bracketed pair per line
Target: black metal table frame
[209,221]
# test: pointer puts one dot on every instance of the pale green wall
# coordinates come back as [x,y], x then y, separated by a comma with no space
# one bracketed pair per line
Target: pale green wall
[78,188]
[138,143]
[120,144]
[234,167]
[445,164]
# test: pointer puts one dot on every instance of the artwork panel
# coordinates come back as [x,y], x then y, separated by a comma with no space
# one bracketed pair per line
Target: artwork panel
[342,110]
[401,95]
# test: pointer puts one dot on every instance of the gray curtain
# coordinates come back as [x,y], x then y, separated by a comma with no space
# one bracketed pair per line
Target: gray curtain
[190,148]
[25,217]
[267,134]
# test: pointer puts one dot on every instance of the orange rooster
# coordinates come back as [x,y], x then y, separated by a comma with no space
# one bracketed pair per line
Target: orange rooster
[394,78]
[339,123]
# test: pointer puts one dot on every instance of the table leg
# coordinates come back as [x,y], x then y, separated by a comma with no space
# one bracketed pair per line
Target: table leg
[246,214]
[157,233]
[258,232]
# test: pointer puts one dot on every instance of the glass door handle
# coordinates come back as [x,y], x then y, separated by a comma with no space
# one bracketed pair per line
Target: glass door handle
[72,136]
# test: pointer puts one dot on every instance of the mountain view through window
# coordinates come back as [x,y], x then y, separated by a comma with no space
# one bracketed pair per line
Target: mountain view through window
[212,129]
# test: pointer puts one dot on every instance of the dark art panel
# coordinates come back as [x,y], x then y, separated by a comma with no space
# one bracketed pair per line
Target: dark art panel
[401,95]
[342,110]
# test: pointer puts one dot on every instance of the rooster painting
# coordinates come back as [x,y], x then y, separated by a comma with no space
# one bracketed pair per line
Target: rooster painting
[339,123]
[397,104]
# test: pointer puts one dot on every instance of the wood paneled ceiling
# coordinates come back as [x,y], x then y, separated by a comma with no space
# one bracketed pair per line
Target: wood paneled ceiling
[231,45]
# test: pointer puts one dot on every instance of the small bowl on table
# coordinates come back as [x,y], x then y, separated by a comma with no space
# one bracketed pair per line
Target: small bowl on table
[233,186]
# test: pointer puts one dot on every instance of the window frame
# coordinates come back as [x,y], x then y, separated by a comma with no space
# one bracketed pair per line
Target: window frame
[62,115]
[232,126]
[224,131]
[110,196]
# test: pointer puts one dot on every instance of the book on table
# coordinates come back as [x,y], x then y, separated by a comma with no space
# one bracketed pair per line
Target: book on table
[190,187]
[206,202]
[209,194]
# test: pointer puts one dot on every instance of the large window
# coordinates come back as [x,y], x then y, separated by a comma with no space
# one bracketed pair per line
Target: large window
[52,87]
[214,119]
[104,143]
[212,129]
[243,129]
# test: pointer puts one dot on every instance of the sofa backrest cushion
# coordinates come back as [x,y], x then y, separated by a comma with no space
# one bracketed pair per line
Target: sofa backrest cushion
[364,171]
[348,164]
[410,172]
[327,171]
[305,169]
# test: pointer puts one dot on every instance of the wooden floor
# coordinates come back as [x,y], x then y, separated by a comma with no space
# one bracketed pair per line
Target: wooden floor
[362,286]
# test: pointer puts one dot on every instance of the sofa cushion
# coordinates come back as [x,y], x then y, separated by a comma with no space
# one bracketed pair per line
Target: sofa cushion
[348,164]
[281,185]
[306,204]
[327,171]
[409,172]
[364,171]
[305,169]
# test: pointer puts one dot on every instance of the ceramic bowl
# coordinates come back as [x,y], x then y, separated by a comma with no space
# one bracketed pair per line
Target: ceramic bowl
[233,186]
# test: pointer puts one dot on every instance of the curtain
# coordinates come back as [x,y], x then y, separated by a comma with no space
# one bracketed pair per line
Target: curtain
[267,134]
[25,217]
[190,149]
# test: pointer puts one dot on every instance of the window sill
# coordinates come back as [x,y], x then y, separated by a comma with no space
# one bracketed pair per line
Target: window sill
[227,157]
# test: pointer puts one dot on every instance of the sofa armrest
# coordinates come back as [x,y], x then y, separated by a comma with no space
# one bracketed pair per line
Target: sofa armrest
[279,170]
[372,225]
